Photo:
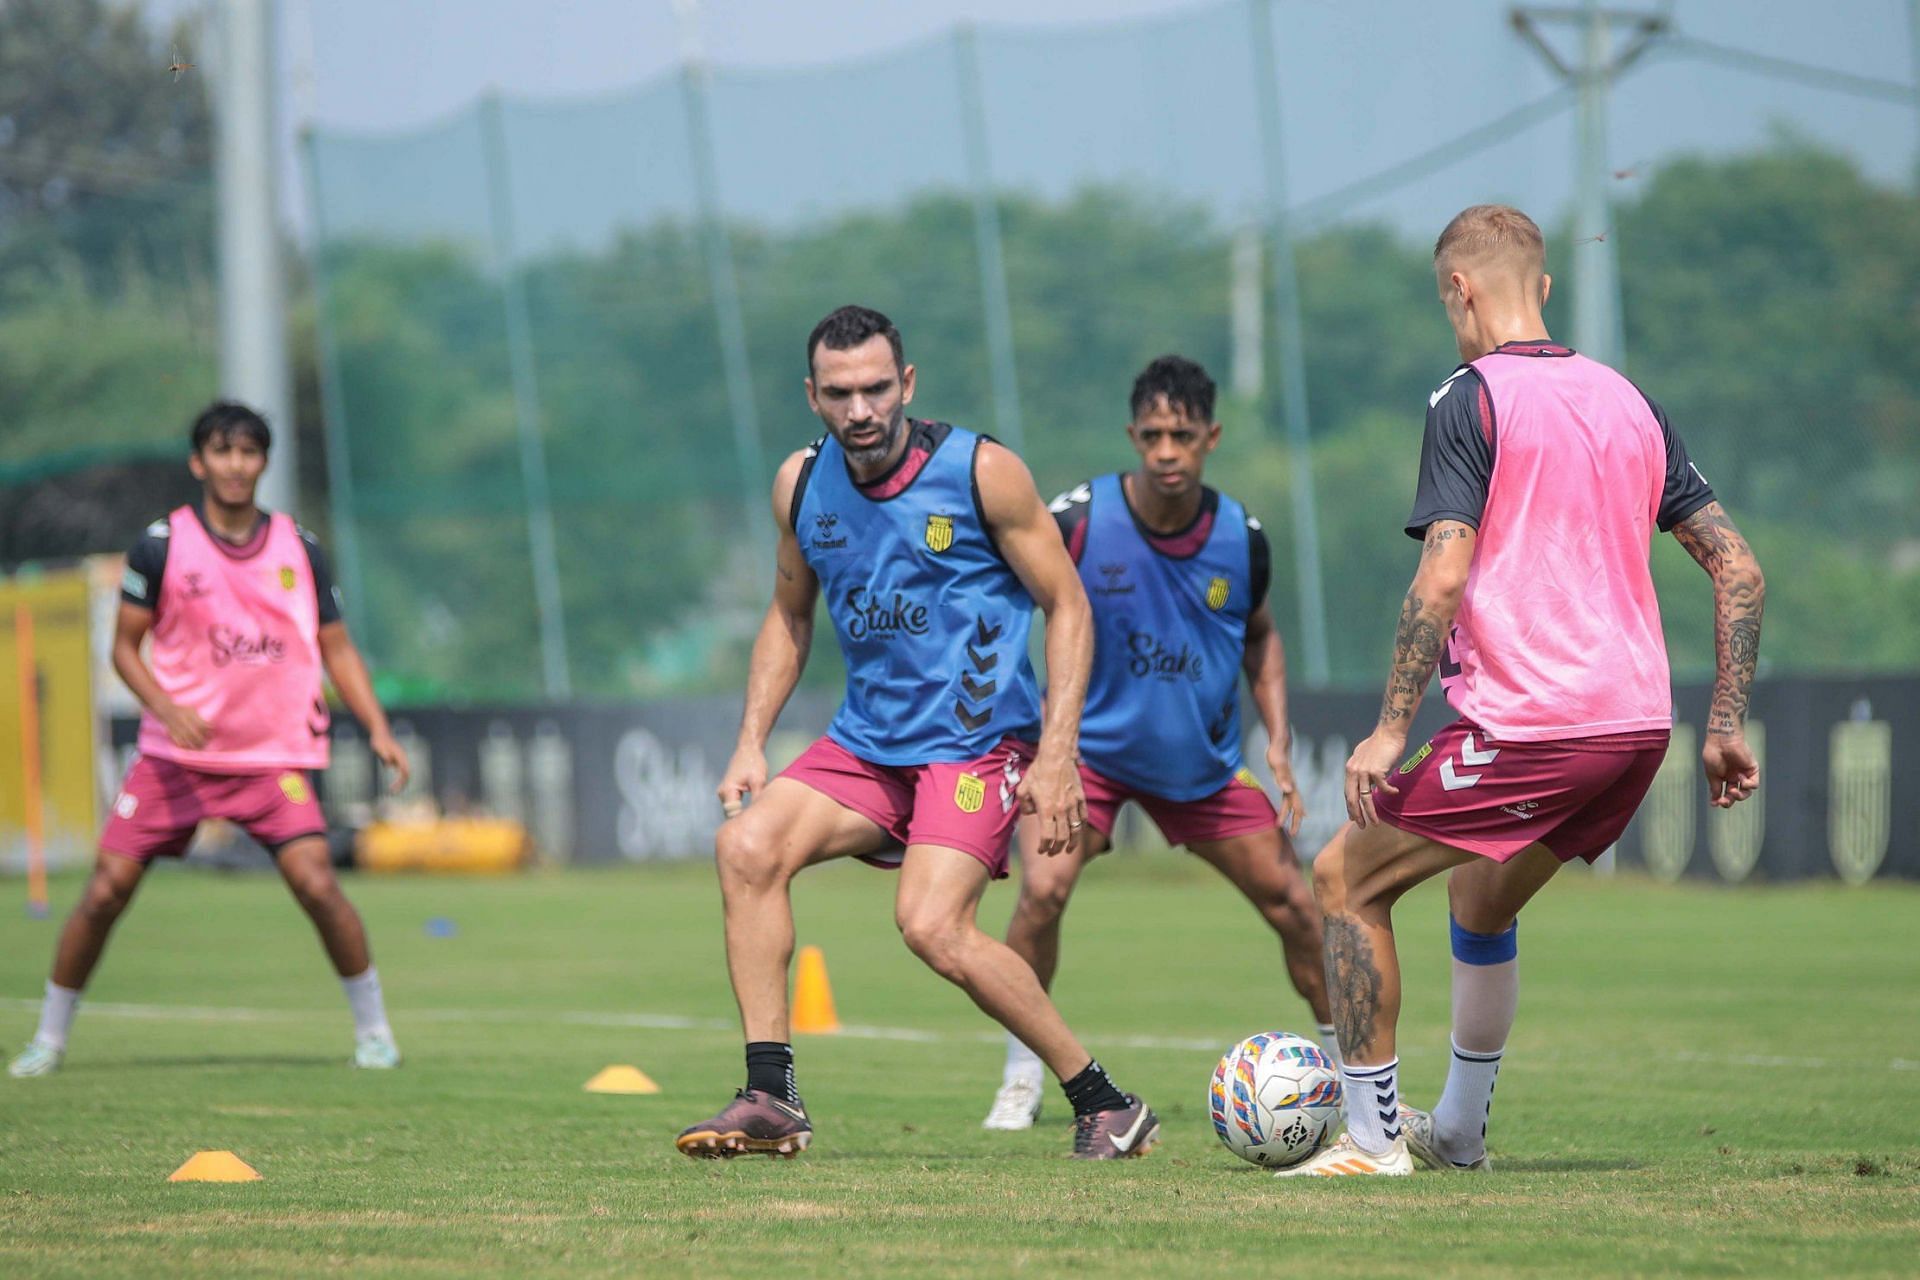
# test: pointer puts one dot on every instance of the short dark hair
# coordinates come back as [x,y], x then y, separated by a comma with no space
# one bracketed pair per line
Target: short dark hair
[845,328]
[226,418]
[1186,385]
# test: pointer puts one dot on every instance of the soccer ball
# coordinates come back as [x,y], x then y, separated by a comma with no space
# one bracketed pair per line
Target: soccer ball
[1275,1098]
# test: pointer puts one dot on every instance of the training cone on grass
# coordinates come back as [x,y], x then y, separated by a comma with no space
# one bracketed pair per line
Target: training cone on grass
[215,1166]
[621,1079]
[813,996]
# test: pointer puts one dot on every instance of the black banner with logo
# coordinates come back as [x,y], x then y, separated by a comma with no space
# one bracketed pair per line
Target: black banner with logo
[606,783]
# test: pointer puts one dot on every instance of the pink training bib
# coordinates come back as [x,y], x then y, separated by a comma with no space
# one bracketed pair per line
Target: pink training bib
[1558,635]
[236,637]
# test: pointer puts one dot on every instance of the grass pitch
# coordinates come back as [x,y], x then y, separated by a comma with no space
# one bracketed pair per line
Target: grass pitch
[1703,1081]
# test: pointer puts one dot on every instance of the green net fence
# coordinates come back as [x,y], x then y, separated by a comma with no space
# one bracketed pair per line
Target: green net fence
[562,341]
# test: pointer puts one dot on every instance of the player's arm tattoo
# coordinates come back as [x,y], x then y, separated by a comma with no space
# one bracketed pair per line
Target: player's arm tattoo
[1353,984]
[1416,650]
[1739,600]
[1425,617]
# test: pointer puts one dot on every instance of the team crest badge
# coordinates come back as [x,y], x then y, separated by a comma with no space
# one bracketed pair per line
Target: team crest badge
[294,788]
[969,793]
[939,533]
[1217,591]
[1413,761]
[286,576]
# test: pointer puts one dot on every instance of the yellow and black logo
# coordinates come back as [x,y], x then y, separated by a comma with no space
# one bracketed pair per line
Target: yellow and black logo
[1217,592]
[286,576]
[969,793]
[1413,761]
[939,533]
[294,788]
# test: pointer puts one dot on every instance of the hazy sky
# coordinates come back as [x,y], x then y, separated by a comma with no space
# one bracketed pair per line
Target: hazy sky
[1364,82]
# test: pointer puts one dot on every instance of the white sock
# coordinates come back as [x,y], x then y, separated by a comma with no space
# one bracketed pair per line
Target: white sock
[1460,1119]
[1373,1105]
[1486,997]
[369,1008]
[1330,1041]
[56,1015]
[1022,1063]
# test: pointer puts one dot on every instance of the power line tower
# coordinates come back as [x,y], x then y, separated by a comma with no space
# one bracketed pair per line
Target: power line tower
[1596,274]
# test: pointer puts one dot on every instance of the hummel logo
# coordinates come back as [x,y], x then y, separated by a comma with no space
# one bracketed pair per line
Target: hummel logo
[1441,392]
[1123,1142]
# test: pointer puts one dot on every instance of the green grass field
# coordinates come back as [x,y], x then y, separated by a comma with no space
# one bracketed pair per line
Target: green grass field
[1703,1081]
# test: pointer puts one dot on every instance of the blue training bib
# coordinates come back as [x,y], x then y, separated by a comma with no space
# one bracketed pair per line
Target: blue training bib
[932,622]
[1163,704]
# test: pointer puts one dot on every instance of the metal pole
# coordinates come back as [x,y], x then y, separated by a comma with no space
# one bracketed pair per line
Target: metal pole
[1291,350]
[253,321]
[526,404]
[1913,34]
[333,403]
[986,239]
[1249,315]
[731,321]
[1596,277]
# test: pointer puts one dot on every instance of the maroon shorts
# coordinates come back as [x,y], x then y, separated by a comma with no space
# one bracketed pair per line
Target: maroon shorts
[1574,796]
[967,805]
[161,802]
[1237,809]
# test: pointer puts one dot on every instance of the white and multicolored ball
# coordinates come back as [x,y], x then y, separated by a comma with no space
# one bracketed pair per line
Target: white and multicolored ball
[1275,1099]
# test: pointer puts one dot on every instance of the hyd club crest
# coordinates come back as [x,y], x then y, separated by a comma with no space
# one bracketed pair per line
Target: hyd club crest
[939,533]
[294,788]
[1217,591]
[286,576]
[969,793]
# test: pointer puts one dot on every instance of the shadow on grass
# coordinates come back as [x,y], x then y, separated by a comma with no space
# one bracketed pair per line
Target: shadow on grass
[201,1062]
[1565,1164]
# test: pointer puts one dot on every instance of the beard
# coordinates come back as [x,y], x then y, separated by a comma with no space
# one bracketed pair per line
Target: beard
[876,453]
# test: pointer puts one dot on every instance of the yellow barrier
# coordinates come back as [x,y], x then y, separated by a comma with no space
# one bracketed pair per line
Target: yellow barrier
[462,846]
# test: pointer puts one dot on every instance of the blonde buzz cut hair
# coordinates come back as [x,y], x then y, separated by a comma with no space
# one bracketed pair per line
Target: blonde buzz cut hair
[1493,232]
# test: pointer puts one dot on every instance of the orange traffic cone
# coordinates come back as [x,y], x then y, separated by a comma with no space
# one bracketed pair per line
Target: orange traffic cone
[813,996]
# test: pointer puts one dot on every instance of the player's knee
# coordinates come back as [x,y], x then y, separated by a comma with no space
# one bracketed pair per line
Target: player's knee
[104,900]
[1330,879]
[1043,904]
[936,939]
[315,888]
[746,858]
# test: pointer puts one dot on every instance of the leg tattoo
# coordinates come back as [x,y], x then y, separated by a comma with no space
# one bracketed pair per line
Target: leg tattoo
[1353,984]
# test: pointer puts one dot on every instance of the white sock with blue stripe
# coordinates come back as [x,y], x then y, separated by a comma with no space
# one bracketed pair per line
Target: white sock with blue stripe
[1486,996]
[1373,1105]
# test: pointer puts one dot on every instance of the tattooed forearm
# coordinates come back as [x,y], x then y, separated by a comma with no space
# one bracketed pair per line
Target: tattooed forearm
[1416,649]
[1353,984]
[1739,600]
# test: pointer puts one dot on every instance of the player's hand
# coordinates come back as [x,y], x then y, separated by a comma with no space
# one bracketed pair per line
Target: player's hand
[1050,792]
[746,775]
[394,756]
[1293,806]
[184,726]
[1732,772]
[1368,769]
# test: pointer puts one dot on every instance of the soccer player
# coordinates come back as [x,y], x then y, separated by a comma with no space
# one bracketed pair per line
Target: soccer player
[244,617]
[1543,477]
[932,548]
[1177,575]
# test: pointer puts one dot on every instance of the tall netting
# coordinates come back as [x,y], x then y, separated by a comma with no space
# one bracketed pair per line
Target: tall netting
[565,339]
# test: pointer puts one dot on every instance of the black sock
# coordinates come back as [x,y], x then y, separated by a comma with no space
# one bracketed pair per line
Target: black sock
[770,1070]
[1092,1091]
